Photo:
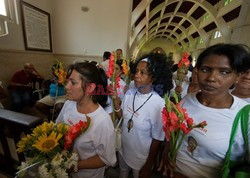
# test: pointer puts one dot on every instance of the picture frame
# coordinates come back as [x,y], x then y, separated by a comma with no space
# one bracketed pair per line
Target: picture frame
[36,28]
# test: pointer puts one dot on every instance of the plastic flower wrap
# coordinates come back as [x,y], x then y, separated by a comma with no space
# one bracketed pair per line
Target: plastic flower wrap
[176,125]
[59,72]
[49,149]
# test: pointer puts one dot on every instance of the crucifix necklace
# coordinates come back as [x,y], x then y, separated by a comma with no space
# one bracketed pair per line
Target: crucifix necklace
[130,121]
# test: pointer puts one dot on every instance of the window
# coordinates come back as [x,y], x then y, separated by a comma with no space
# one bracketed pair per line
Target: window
[200,41]
[3,10]
[205,17]
[226,2]
[8,13]
[217,34]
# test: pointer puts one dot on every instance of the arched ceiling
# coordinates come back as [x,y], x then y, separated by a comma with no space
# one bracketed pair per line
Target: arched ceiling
[183,23]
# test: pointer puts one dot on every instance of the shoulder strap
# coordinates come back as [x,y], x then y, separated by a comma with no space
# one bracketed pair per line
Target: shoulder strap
[244,128]
[243,114]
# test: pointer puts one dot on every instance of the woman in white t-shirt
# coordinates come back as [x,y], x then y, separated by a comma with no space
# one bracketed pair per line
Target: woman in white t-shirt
[95,147]
[203,151]
[141,111]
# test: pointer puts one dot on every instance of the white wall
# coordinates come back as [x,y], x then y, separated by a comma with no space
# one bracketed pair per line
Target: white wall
[103,27]
[14,40]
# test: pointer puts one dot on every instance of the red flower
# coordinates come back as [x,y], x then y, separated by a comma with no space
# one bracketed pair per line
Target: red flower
[184,61]
[111,65]
[75,131]
[176,125]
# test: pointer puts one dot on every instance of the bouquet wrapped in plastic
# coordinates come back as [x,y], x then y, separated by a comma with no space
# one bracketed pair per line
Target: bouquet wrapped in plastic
[49,149]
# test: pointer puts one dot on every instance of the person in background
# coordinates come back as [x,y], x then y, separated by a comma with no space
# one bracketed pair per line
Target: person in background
[203,151]
[181,82]
[119,54]
[141,109]
[3,94]
[96,147]
[21,87]
[242,87]
[54,100]
[105,63]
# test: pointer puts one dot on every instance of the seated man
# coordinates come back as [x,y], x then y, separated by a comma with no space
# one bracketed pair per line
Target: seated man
[21,87]
[55,99]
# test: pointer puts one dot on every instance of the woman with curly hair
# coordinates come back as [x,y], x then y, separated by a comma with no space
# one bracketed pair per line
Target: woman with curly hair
[141,111]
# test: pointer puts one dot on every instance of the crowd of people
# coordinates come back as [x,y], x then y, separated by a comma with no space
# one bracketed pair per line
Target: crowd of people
[215,89]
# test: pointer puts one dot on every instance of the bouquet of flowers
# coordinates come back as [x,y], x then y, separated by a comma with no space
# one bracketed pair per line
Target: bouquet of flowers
[181,74]
[114,79]
[59,72]
[49,149]
[176,125]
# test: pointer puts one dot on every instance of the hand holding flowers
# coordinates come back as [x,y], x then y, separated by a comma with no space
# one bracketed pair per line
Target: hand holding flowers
[176,125]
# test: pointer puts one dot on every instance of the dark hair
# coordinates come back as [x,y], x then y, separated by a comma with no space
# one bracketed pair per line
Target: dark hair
[106,54]
[119,63]
[90,73]
[160,69]
[238,55]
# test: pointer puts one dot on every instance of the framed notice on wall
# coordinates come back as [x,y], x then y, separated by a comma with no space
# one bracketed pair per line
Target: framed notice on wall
[36,28]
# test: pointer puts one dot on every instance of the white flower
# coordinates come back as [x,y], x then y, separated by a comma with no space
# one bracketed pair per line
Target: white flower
[71,161]
[61,173]
[43,171]
[57,160]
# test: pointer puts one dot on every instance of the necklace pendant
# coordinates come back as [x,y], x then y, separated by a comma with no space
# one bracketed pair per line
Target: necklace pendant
[130,124]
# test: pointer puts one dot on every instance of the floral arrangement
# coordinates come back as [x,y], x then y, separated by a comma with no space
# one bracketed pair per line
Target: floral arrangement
[49,149]
[176,125]
[126,71]
[184,62]
[114,79]
[59,72]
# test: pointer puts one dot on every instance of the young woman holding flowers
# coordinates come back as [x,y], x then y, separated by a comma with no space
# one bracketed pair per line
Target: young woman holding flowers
[203,151]
[141,111]
[96,147]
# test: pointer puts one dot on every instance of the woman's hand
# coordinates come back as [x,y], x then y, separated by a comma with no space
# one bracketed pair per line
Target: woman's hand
[178,89]
[166,167]
[112,91]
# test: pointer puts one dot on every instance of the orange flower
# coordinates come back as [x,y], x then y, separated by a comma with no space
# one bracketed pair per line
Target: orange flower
[75,131]
[125,67]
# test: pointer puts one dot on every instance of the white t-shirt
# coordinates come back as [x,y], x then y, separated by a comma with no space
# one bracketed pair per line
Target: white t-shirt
[203,150]
[105,65]
[147,125]
[98,139]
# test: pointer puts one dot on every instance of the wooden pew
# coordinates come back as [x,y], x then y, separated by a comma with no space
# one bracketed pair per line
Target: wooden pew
[12,124]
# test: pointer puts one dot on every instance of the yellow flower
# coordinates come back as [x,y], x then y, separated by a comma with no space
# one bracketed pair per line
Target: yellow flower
[47,143]
[22,143]
[62,128]
[44,128]
[125,67]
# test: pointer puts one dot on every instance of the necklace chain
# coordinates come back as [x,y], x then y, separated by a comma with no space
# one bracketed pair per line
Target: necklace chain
[130,121]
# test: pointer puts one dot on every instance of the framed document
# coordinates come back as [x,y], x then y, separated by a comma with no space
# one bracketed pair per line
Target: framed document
[36,28]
